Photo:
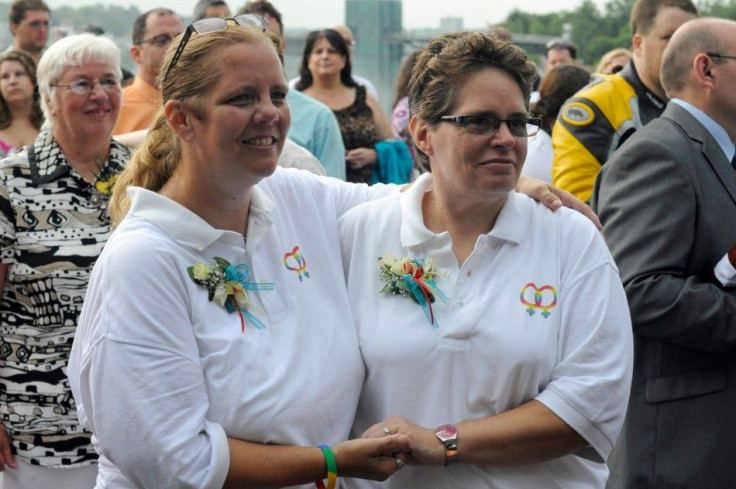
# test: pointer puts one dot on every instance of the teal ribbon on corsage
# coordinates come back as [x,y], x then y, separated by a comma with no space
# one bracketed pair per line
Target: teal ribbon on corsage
[241,275]
[423,292]
[414,278]
[228,285]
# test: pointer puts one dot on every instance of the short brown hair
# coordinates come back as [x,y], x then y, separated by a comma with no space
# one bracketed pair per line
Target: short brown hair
[200,9]
[139,26]
[19,8]
[558,84]
[644,11]
[447,59]
[263,7]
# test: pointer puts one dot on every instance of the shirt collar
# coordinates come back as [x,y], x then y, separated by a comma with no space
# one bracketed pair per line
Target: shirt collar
[508,227]
[188,229]
[47,162]
[643,92]
[715,129]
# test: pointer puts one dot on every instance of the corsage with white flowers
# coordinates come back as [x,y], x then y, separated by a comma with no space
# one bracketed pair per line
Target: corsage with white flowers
[228,286]
[413,278]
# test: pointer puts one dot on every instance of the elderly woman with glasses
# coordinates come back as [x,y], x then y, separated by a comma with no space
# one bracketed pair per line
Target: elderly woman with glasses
[53,225]
[495,334]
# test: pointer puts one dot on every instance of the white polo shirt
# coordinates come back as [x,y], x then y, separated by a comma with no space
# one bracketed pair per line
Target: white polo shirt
[162,375]
[536,312]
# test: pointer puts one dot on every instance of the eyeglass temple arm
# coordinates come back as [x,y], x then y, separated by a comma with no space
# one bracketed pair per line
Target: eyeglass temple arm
[179,49]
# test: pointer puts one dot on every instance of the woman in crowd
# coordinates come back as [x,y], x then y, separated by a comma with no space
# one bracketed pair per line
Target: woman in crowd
[613,61]
[53,225]
[220,296]
[500,336]
[559,84]
[20,110]
[325,75]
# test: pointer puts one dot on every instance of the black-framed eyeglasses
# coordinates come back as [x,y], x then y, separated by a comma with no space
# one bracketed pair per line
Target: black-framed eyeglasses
[486,125]
[721,55]
[159,40]
[214,24]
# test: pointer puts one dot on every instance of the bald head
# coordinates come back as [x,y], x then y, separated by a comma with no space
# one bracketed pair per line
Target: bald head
[346,34]
[694,38]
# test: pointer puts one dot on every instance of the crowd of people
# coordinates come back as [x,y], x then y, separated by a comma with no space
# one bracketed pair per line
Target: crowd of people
[216,277]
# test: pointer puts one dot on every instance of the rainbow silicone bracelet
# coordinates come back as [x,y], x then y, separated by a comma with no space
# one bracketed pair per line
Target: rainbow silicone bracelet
[331,469]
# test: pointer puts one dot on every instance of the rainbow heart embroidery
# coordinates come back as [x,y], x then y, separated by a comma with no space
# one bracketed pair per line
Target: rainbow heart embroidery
[296,262]
[542,298]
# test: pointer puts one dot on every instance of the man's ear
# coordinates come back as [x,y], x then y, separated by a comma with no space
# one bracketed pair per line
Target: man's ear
[135,53]
[421,134]
[636,41]
[179,119]
[13,28]
[703,71]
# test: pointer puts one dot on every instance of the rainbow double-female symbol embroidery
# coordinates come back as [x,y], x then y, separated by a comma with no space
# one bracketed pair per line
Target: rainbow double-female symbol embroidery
[296,262]
[539,299]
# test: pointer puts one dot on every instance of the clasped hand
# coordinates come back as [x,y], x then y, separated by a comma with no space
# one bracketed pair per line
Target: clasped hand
[424,447]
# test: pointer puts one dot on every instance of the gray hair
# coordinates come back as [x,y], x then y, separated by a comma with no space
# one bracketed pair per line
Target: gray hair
[72,51]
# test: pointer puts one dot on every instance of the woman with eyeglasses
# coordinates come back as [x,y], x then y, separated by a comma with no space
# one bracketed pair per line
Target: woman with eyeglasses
[20,109]
[215,347]
[53,225]
[495,334]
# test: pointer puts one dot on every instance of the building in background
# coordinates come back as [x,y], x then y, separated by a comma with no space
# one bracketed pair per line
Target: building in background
[451,24]
[379,49]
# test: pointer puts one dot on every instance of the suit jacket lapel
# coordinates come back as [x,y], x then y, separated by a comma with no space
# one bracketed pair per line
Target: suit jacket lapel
[712,152]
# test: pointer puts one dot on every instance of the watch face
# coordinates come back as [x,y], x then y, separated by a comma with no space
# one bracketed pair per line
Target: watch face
[446,431]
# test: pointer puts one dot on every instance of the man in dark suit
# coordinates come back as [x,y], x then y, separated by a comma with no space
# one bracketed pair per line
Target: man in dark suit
[667,200]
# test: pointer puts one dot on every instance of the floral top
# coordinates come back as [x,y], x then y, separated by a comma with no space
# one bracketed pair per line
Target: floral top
[53,225]
[358,131]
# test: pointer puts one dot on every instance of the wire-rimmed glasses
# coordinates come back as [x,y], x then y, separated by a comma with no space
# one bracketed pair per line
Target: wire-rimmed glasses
[721,55]
[84,86]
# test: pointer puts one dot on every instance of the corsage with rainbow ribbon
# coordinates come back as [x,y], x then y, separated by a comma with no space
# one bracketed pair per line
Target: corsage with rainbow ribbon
[228,286]
[412,278]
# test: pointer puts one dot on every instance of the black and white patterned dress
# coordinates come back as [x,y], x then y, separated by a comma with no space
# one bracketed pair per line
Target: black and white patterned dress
[53,225]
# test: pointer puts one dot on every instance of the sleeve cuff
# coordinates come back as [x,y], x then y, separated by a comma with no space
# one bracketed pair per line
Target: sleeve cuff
[220,462]
[725,272]
[600,445]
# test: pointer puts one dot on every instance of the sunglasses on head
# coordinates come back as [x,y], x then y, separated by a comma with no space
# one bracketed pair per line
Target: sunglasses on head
[214,24]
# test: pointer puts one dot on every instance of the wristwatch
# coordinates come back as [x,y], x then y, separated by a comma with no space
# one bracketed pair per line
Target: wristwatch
[447,434]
